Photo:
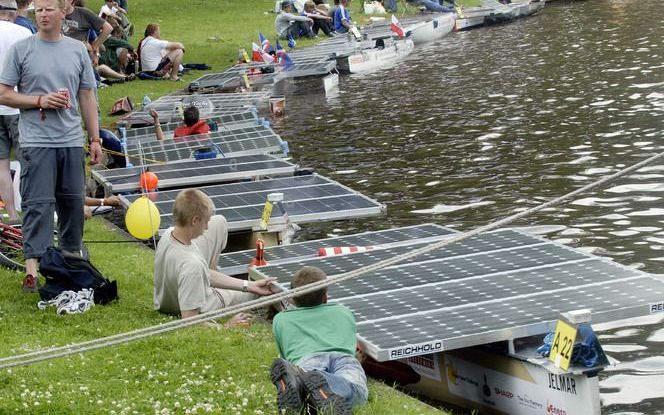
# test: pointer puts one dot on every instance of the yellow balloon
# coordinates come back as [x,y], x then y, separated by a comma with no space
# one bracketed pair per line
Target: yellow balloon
[142,218]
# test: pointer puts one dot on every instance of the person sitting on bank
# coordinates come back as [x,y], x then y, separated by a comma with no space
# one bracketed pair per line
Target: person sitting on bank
[22,16]
[118,54]
[193,125]
[159,57]
[321,20]
[342,20]
[289,25]
[433,5]
[186,280]
[316,342]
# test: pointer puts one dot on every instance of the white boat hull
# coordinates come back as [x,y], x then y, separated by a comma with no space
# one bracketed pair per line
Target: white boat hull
[433,29]
[368,60]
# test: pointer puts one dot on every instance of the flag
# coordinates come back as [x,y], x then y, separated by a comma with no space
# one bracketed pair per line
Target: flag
[259,55]
[396,27]
[265,44]
[291,42]
[283,58]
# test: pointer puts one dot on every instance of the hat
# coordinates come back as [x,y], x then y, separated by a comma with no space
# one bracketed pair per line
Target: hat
[8,5]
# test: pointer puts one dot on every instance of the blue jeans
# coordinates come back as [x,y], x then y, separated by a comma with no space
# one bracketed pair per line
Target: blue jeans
[434,6]
[343,373]
[390,5]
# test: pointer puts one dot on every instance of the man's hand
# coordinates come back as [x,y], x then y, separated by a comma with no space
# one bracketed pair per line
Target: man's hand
[154,114]
[239,320]
[95,152]
[261,287]
[54,101]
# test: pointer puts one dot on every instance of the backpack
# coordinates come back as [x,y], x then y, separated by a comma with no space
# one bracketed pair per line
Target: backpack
[65,271]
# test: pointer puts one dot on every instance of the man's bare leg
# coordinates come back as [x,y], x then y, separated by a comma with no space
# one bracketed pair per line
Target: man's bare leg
[7,190]
[176,60]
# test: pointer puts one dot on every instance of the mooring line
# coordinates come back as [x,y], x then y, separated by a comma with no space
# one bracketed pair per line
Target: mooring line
[121,338]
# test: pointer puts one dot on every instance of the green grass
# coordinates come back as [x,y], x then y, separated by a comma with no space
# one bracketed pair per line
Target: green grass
[212,31]
[188,371]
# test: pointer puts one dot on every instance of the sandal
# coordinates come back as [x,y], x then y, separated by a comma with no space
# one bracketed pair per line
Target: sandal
[130,77]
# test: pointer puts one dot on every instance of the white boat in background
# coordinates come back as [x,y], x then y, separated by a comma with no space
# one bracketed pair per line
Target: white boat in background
[526,7]
[384,51]
[492,11]
[433,29]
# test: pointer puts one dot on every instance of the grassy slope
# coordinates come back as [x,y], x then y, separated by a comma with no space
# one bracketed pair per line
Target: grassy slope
[193,370]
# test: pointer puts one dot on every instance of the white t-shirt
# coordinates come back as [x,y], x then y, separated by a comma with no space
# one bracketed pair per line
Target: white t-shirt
[10,33]
[151,52]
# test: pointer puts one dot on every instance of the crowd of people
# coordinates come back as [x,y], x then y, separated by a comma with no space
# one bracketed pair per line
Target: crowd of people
[44,109]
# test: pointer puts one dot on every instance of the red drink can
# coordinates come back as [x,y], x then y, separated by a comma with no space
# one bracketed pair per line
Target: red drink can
[65,93]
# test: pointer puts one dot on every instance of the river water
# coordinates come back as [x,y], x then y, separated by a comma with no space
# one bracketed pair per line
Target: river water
[499,119]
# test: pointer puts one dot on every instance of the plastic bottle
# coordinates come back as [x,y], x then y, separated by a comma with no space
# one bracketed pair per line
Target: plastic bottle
[146,101]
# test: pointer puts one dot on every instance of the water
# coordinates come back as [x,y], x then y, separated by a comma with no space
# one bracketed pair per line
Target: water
[496,120]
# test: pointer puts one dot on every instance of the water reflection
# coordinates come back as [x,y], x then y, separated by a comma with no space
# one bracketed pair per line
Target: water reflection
[494,121]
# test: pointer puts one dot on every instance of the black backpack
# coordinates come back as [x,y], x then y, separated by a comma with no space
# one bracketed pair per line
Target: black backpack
[65,271]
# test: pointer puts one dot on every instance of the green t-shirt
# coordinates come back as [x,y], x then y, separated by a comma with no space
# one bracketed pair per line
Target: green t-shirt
[323,328]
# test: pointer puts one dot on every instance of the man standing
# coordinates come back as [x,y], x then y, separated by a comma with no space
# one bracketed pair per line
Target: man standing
[10,33]
[79,21]
[50,133]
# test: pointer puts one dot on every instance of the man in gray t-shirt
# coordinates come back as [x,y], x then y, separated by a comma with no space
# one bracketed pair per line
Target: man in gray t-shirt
[51,138]
[78,23]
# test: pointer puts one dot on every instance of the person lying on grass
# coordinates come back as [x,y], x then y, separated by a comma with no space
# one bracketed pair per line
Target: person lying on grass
[316,342]
[186,280]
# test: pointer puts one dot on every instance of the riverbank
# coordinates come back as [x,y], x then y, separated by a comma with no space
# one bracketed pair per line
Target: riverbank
[192,370]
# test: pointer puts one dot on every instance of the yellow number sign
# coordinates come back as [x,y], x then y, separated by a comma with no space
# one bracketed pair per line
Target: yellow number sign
[563,343]
[267,212]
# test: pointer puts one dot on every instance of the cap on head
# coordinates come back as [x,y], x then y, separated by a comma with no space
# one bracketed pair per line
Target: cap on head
[8,5]
[286,3]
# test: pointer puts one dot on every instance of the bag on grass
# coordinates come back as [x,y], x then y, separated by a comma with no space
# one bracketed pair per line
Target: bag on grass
[65,271]
[122,106]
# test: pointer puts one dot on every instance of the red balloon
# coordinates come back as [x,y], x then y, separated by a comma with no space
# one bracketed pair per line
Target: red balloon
[148,181]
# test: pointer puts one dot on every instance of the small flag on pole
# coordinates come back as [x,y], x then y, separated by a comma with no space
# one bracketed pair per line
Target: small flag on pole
[265,44]
[259,55]
[291,42]
[396,27]
[283,58]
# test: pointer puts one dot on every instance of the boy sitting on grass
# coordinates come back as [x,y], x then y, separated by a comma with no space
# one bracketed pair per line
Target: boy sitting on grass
[317,341]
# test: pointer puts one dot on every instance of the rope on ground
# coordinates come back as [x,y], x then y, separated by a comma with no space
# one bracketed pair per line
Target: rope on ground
[121,338]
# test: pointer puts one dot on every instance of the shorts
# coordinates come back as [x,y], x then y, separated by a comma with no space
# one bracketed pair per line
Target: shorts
[8,135]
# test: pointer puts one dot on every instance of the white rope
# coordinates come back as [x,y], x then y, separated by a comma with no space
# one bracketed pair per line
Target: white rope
[121,338]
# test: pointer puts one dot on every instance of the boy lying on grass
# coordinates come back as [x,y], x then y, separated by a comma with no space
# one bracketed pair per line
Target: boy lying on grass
[317,341]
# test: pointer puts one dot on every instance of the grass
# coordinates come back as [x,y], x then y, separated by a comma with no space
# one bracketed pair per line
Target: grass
[193,370]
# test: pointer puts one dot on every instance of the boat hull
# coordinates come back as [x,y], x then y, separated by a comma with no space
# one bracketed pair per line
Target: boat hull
[432,30]
[371,59]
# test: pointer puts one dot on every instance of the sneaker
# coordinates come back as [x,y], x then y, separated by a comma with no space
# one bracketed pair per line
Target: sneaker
[321,396]
[287,380]
[30,284]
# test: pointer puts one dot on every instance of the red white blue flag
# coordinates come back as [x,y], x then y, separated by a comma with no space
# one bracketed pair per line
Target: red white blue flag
[259,55]
[396,27]
[283,58]
[265,44]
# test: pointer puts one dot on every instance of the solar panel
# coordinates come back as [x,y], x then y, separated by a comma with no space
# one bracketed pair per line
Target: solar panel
[307,198]
[234,263]
[492,287]
[229,143]
[195,172]
[232,78]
